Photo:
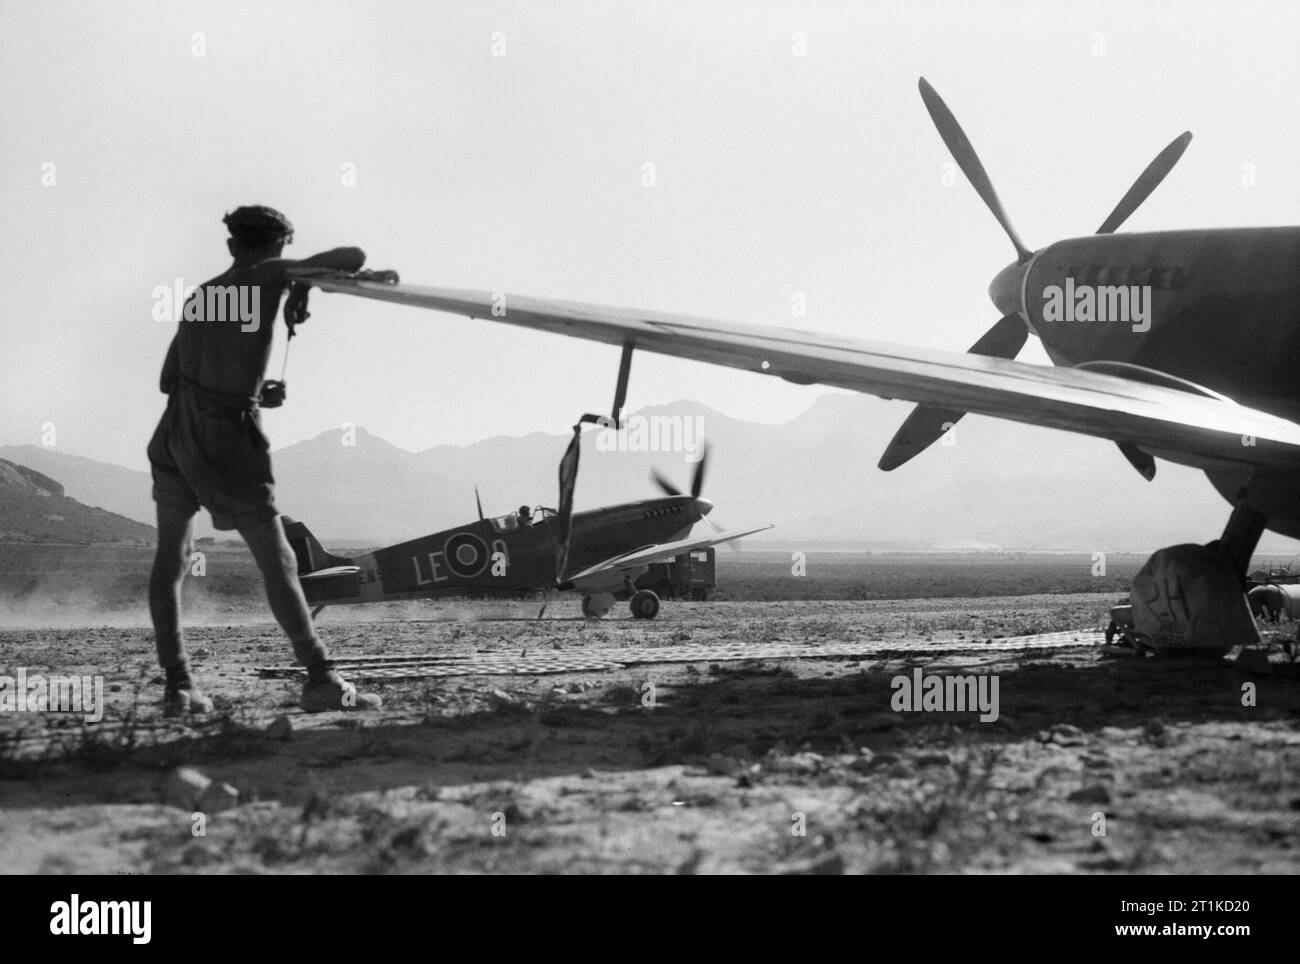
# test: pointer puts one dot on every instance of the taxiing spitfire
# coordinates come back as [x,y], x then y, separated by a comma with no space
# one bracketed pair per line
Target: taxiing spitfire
[1205,375]
[609,548]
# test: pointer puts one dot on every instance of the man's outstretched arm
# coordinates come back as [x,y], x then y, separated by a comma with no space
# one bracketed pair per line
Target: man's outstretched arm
[336,259]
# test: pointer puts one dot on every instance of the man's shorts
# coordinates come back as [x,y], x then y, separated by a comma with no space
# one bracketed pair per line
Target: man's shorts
[207,452]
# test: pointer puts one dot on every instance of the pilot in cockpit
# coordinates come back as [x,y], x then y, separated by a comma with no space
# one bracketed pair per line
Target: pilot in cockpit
[525,516]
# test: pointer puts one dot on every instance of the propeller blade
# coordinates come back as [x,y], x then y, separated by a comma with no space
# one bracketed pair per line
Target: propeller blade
[1003,340]
[697,481]
[734,545]
[919,431]
[667,487]
[927,423]
[1147,182]
[959,146]
[1140,460]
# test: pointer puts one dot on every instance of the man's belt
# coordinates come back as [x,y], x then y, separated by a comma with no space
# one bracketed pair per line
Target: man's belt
[219,400]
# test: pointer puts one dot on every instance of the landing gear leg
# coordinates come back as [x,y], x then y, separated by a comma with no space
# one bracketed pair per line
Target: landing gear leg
[1240,537]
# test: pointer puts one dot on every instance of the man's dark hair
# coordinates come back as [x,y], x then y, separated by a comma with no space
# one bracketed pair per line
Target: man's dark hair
[257,226]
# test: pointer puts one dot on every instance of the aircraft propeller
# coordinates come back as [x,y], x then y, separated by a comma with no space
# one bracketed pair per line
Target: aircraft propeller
[1147,182]
[702,505]
[959,146]
[697,480]
[927,423]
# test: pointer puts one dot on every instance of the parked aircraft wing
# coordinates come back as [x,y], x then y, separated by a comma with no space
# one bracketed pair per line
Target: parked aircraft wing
[599,575]
[1158,418]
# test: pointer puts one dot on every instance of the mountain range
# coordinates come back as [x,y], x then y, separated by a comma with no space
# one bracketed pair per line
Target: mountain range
[999,485]
[34,508]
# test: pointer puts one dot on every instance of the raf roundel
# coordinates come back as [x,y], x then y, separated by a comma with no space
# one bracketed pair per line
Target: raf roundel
[466,554]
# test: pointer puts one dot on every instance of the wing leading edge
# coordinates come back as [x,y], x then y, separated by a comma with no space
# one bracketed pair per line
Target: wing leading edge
[1163,420]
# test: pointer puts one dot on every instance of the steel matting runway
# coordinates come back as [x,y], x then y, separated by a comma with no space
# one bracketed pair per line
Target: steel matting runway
[431,666]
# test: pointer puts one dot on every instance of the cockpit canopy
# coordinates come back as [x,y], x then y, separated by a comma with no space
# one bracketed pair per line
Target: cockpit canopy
[505,523]
[512,522]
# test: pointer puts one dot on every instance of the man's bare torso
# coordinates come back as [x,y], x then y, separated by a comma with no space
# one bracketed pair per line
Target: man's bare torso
[228,353]
[226,348]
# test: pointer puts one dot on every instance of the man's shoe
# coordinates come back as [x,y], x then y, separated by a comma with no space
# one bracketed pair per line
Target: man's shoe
[186,702]
[335,693]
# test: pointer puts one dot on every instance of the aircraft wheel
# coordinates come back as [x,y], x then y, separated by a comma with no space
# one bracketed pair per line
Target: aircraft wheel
[645,604]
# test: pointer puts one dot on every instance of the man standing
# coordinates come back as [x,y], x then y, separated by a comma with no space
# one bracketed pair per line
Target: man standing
[209,451]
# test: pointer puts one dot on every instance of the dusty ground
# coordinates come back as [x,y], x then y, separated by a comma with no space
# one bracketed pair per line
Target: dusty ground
[572,772]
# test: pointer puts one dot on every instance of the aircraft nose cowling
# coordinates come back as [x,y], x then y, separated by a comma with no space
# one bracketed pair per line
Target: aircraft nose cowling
[703,507]
[1006,289]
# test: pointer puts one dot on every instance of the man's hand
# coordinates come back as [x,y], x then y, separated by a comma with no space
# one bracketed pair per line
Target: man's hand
[295,306]
[381,275]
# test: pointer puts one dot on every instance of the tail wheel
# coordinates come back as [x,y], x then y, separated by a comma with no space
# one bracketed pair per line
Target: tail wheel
[645,604]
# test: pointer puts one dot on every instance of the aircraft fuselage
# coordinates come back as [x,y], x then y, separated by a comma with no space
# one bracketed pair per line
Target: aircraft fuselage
[1224,307]
[501,555]
[1220,308]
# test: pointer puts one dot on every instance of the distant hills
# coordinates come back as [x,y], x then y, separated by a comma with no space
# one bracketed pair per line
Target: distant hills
[34,508]
[1001,485]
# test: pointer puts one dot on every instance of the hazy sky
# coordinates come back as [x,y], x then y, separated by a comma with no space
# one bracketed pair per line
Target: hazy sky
[775,174]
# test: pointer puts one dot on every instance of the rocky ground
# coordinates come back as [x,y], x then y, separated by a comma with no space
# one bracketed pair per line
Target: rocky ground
[790,765]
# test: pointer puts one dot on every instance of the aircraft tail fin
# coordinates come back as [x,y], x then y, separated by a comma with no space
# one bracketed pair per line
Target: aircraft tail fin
[310,553]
